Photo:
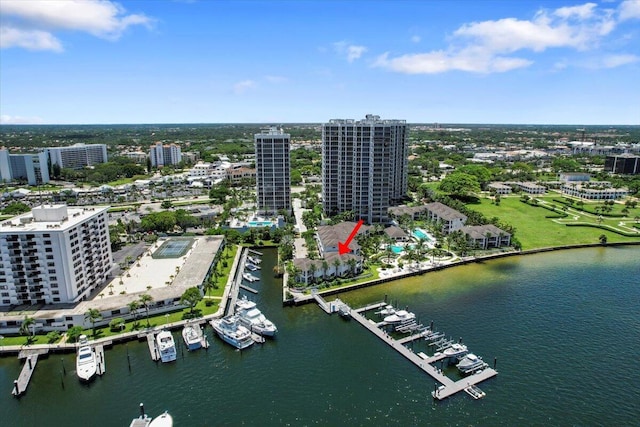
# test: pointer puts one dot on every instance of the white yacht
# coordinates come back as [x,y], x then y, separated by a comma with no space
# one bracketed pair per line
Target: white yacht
[254,260]
[86,363]
[231,331]
[253,319]
[192,336]
[400,316]
[388,310]
[470,363]
[456,350]
[250,277]
[251,267]
[164,420]
[166,346]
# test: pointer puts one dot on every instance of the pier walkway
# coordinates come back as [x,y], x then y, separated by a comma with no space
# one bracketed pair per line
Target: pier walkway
[153,348]
[102,367]
[448,387]
[20,385]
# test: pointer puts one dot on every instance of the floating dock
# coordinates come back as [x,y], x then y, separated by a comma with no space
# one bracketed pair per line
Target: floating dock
[102,367]
[248,288]
[153,348]
[20,385]
[448,387]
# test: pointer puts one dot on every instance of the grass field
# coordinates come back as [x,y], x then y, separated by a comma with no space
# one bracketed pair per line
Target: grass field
[535,231]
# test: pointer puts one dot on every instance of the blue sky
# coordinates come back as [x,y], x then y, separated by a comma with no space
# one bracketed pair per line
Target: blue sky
[209,61]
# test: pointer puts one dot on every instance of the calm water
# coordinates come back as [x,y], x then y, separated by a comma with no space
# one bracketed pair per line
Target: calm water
[564,327]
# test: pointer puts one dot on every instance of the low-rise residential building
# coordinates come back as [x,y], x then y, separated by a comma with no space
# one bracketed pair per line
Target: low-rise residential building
[397,234]
[331,266]
[531,187]
[451,219]
[486,236]
[499,188]
[601,190]
[236,175]
[328,237]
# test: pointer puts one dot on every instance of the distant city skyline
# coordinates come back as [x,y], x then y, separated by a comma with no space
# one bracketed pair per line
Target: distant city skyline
[196,61]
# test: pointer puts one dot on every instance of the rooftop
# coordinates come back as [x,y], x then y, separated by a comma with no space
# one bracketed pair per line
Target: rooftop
[48,217]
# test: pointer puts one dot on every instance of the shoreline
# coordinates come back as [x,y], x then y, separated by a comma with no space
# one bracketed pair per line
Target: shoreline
[306,299]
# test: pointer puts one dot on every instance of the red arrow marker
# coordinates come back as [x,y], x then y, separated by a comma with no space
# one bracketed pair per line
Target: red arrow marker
[343,248]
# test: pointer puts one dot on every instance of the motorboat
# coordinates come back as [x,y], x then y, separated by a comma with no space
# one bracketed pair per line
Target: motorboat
[400,316]
[250,277]
[388,310]
[166,346]
[86,363]
[253,319]
[232,332]
[251,267]
[192,336]
[470,363]
[456,350]
[254,260]
[164,420]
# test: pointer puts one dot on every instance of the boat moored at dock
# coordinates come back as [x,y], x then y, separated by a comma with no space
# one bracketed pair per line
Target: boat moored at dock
[250,277]
[166,346]
[399,317]
[232,332]
[253,319]
[471,363]
[456,350]
[192,336]
[86,363]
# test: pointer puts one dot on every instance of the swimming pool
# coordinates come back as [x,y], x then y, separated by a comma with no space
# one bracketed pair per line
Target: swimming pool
[260,223]
[421,235]
[397,249]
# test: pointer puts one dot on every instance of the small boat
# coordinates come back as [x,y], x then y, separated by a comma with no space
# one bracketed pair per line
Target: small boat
[164,420]
[232,332]
[470,363]
[250,277]
[344,311]
[192,336]
[166,346]
[253,319]
[86,363]
[252,267]
[456,350]
[254,260]
[400,316]
[388,310]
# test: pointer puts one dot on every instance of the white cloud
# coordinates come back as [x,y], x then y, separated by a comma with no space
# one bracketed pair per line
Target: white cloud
[276,79]
[100,18]
[629,9]
[28,39]
[439,62]
[487,46]
[351,51]
[613,61]
[243,86]
[19,120]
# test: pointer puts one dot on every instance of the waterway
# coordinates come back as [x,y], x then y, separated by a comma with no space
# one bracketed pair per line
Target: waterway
[564,327]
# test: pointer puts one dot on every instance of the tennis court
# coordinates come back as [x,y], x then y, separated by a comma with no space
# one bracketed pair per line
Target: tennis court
[173,248]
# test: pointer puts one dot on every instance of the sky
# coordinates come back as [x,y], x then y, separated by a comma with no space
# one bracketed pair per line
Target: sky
[219,61]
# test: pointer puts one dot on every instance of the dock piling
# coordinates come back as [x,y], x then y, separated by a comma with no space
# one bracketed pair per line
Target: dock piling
[64,370]
[495,362]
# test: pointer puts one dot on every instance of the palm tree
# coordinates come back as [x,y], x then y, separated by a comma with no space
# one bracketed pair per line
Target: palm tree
[145,299]
[93,315]
[133,309]
[26,326]
[352,265]
[336,264]
[312,270]
[325,266]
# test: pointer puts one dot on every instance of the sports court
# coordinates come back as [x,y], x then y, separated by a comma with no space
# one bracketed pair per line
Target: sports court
[173,248]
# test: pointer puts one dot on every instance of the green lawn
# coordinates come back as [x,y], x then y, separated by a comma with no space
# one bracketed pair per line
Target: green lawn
[224,271]
[535,231]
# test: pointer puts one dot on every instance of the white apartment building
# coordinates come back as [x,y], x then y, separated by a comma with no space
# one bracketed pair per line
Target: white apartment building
[32,168]
[364,166]
[273,170]
[163,155]
[78,156]
[53,254]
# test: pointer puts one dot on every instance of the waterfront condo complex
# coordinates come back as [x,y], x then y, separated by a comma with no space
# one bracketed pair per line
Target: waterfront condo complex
[78,156]
[53,254]
[273,170]
[364,166]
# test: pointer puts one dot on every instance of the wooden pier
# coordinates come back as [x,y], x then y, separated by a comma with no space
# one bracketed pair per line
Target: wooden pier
[20,385]
[448,387]
[371,306]
[102,367]
[153,348]
[324,305]
[248,288]
[251,251]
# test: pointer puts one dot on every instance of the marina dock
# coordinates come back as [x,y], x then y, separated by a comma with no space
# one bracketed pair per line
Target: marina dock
[248,288]
[448,386]
[102,367]
[153,348]
[20,385]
